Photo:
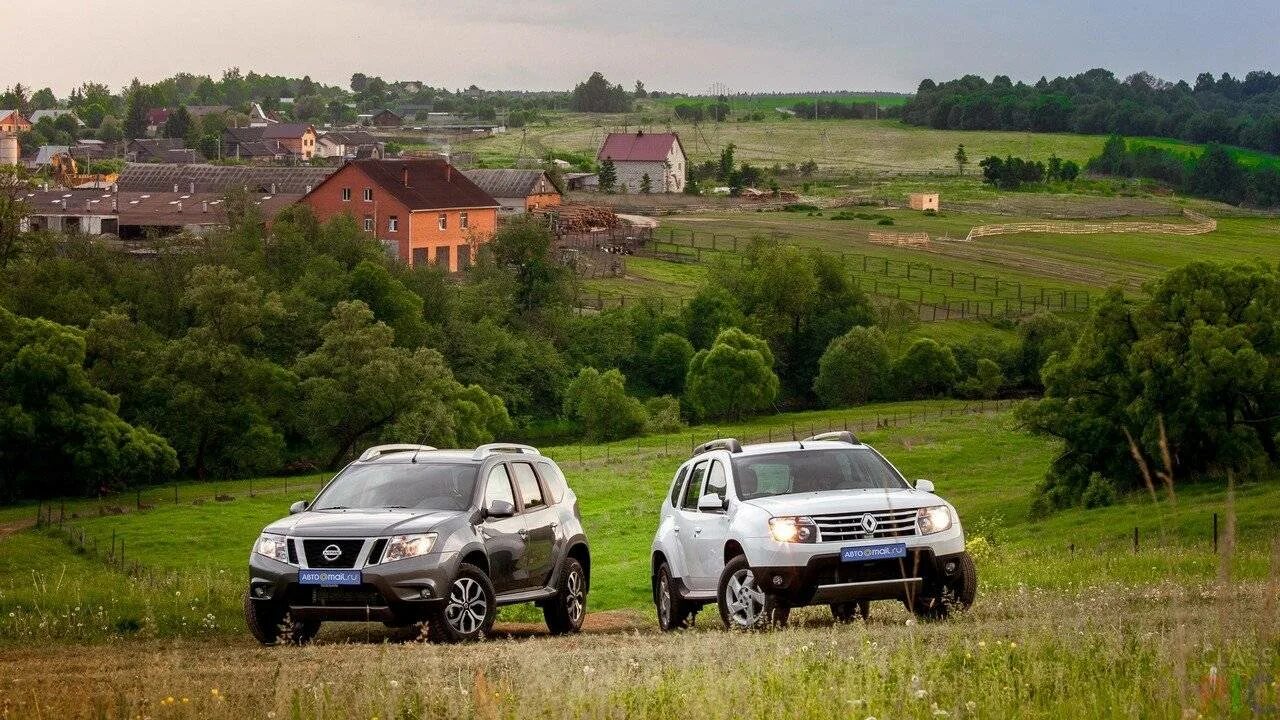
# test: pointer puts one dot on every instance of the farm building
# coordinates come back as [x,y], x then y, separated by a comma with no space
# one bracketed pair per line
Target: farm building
[386,119]
[132,214]
[11,121]
[161,150]
[517,191]
[923,201]
[423,210]
[201,178]
[634,155]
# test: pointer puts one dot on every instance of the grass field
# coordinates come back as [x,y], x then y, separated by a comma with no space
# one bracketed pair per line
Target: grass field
[1070,620]
[768,104]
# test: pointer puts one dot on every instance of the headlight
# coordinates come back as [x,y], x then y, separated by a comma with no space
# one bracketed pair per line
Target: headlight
[401,547]
[793,529]
[934,519]
[273,546]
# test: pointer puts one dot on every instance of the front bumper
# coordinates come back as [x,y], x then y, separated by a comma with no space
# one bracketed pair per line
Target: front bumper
[394,592]
[803,574]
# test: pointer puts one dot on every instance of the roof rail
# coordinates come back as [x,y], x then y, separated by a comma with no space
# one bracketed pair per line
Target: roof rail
[380,450]
[730,444]
[486,450]
[835,436]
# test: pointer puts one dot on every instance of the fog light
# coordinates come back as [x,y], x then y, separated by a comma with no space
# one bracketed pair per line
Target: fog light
[426,593]
[259,591]
[777,581]
[950,567]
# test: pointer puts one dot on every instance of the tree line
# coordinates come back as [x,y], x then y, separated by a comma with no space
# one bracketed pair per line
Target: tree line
[1244,112]
[1214,173]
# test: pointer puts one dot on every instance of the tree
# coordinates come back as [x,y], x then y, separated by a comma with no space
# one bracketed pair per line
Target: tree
[668,363]
[926,370]
[733,379]
[14,186]
[524,246]
[390,301]
[646,184]
[44,99]
[725,169]
[1190,375]
[962,159]
[608,175]
[640,91]
[178,125]
[137,105]
[855,369]
[712,309]
[599,403]
[597,95]
[59,433]
[985,382]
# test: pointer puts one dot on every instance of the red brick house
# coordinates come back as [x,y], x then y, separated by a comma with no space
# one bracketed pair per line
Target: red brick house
[11,121]
[424,209]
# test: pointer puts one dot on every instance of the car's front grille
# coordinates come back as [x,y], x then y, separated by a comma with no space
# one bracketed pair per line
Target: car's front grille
[348,551]
[852,526]
[364,595]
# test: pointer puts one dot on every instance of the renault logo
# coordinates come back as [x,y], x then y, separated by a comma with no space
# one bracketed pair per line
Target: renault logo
[868,524]
[333,552]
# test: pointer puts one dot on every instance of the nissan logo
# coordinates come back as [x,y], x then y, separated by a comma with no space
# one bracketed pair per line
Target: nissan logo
[333,552]
[868,524]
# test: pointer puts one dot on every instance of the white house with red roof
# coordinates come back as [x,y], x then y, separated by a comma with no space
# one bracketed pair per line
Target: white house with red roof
[658,155]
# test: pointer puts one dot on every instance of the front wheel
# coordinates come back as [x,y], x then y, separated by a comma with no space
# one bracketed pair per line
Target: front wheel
[956,594]
[846,612]
[564,613]
[270,623]
[468,609]
[744,605]
[673,612]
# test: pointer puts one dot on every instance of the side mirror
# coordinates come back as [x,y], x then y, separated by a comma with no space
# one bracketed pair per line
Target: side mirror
[300,506]
[710,502]
[924,486]
[500,509]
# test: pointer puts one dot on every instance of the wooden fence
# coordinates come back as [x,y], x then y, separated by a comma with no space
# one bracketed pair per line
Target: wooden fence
[1199,225]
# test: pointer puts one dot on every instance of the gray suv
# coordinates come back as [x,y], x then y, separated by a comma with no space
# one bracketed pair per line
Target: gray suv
[409,534]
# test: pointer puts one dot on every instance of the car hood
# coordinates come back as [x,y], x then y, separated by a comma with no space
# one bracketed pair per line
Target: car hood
[361,523]
[845,501]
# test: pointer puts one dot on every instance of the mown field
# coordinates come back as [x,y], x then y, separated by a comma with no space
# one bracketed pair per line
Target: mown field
[1071,620]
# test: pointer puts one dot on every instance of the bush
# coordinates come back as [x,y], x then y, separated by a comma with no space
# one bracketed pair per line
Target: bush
[732,379]
[926,370]
[599,403]
[1100,492]
[855,368]
[669,363]
[885,221]
[664,415]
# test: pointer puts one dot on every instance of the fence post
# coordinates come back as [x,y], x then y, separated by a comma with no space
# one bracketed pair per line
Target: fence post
[1135,538]
[1215,533]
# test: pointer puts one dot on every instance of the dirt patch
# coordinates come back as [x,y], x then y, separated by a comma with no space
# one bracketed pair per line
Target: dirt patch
[14,526]
[603,622]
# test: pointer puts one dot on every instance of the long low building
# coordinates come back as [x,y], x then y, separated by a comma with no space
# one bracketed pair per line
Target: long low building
[133,214]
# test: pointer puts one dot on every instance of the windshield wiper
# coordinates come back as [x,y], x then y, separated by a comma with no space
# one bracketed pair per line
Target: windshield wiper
[394,507]
[334,507]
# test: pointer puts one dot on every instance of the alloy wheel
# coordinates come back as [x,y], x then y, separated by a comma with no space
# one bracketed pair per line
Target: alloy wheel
[746,600]
[467,606]
[575,597]
[664,598]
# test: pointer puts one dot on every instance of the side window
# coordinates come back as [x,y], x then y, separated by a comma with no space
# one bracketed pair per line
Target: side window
[499,486]
[693,490]
[678,485]
[527,481]
[553,478]
[717,482]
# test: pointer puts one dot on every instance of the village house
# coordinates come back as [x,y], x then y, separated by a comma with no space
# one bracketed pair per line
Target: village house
[634,155]
[11,121]
[161,150]
[386,119]
[137,214]
[53,115]
[517,191]
[923,201]
[349,144]
[423,210]
[271,143]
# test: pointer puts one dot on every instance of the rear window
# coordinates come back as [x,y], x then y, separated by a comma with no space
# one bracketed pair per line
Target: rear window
[554,480]
[675,487]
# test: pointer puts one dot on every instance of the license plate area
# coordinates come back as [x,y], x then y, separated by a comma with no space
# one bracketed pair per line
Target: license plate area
[330,578]
[863,553]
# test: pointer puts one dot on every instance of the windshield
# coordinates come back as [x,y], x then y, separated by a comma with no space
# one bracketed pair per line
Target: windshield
[416,486]
[786,473]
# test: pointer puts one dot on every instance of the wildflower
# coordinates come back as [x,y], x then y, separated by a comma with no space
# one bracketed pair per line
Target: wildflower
[921,694]
[982,643]
[214,692]
[186,700]
[588,670]
[1013,645]
[394,683]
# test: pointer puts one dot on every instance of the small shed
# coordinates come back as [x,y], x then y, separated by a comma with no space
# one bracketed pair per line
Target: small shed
[923,201]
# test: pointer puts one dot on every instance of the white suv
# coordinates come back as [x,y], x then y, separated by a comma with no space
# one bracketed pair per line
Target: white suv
[764,528]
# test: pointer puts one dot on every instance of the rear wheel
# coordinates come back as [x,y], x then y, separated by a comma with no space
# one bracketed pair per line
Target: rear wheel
[468,609]
[673,612]
[744,605]
[564,613]
[849,611]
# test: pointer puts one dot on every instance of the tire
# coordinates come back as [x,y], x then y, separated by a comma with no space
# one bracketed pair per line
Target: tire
[846,612]
[743,604]
[564,613]
[955,595]
[468,608]
[674,613]
[271,624]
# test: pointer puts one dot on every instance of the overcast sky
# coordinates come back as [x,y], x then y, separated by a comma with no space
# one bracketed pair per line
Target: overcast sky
[670,45]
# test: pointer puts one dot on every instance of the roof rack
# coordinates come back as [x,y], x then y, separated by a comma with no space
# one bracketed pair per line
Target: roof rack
[730,444]
[835,436]
[486,450]
[379,450]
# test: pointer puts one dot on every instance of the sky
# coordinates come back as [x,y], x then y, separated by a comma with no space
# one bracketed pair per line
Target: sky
[746,45]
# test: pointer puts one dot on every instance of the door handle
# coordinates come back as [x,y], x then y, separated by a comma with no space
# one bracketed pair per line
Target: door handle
[697,531]
[555,525]
[524,534]
[675,529]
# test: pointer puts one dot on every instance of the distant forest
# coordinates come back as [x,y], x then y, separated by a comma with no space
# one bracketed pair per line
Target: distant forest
[1244,112]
